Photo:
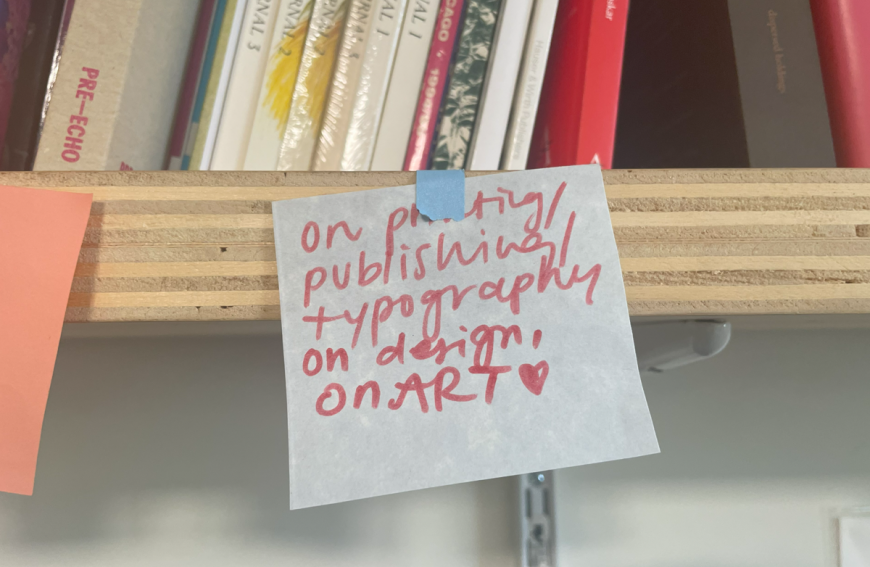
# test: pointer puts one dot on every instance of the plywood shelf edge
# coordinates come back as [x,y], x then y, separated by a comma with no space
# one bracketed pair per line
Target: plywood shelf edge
[198,246]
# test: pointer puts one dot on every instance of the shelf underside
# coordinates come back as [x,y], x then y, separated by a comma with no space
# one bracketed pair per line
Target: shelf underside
[198,246]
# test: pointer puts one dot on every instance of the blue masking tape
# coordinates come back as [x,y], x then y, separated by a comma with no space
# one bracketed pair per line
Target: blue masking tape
[441,194]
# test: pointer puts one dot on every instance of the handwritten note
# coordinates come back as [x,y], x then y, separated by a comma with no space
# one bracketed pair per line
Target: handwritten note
[40,235]
[420,354]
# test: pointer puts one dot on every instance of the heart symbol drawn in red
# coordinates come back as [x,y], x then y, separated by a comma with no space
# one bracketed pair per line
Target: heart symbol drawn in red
[533,377]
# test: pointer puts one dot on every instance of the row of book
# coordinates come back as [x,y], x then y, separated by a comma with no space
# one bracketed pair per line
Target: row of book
[327,85]
[410,84]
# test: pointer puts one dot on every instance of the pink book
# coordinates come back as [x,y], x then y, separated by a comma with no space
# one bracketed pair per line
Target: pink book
[434,80]
[844,49]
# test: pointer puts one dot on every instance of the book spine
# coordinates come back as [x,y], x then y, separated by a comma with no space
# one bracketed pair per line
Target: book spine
[434,81]
[13,22]
[155,72]
[312,85]
[372,88]
[459,110]
[780,82]
[55,65]
[339,105]
[217,27]
[679,102]
[249,65]
[30,87]
[216,90]
[79,122]
[488,138]
[279,81]
[192,73]
[518,138]
[576,121]
[398,116]
[844,47]
[601,87]
[556,127]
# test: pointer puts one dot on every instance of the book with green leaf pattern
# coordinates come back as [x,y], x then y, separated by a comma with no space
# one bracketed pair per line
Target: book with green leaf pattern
[460,106]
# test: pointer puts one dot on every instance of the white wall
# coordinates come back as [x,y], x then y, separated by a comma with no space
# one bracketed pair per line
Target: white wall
[172,451]
[762,447]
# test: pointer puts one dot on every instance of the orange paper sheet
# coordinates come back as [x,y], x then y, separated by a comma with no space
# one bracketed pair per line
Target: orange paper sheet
[40,236]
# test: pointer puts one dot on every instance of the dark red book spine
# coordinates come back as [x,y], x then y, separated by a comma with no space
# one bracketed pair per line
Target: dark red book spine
[843,37]
[576,122]
[14,15]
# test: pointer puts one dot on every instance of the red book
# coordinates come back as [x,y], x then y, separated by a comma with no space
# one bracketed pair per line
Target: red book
[843,37]
[434,81]
[576,122]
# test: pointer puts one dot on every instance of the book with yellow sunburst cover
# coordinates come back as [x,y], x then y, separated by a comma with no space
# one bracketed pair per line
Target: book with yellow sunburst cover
[279,80]
[312,85]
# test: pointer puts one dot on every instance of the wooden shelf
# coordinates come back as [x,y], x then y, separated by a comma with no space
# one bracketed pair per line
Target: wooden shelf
[198,246]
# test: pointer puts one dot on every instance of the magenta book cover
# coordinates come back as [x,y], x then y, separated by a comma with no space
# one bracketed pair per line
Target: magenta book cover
[434,80]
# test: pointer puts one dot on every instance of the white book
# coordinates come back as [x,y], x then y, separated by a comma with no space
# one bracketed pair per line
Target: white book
[374,78]
[496,100]
[276,89]
[222,86]
[339,105]
[312,85]
[249,64]
[401,102]
[528,92]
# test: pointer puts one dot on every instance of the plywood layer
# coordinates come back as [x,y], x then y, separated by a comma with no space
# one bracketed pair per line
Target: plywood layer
[198,246]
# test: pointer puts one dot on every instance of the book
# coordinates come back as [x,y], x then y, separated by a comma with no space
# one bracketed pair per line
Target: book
[459,110]
[118,81]
[394,131]
[221,15]
[435,77]
[518,138]
[55,65]
[216,88]
[312,85]
[14,15]
[743,91]
[844,46]
[208,11]
[372,88]
[680,101]
[576,122]
[496,99]
[339,103]
[279,80]
[37,53]
[782,95]
[243,90]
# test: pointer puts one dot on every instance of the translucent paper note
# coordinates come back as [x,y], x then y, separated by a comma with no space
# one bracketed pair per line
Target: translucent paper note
[40,236]
[421,354]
